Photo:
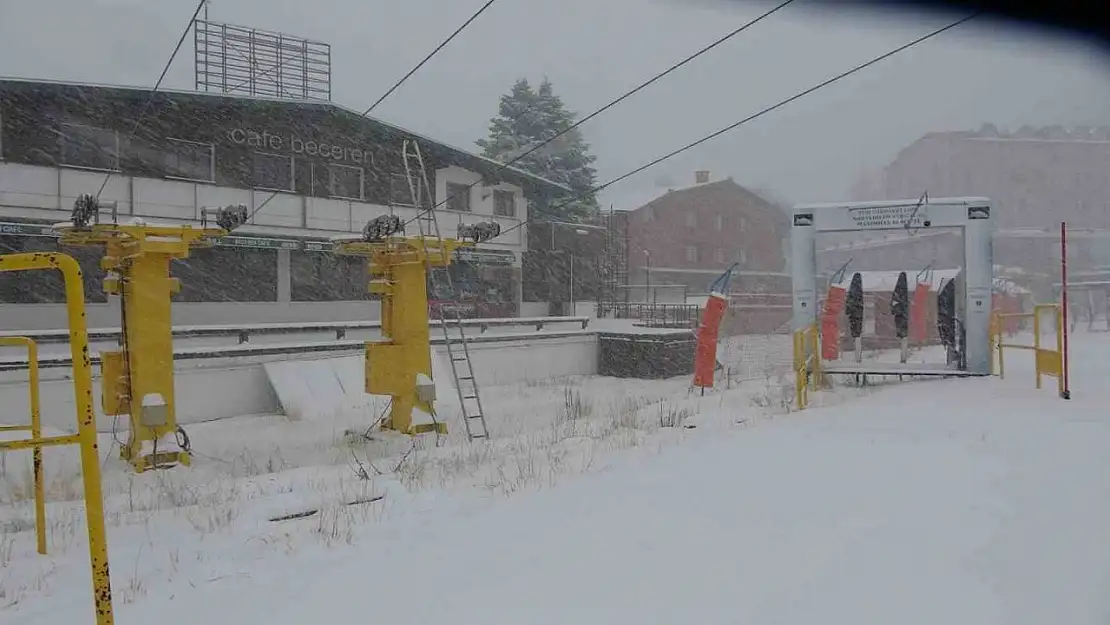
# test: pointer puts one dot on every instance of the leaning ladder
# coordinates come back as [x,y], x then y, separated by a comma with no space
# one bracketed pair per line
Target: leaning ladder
[454,335]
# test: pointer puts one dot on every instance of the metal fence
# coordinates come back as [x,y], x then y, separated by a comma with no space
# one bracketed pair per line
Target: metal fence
[652,315]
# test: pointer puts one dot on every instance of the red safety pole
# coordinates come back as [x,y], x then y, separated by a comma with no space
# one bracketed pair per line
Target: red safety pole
[1066,393]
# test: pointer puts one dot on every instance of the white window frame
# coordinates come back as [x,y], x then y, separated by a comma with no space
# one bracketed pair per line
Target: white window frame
[211,161]
[691,220]
[468,194]
[720,223]
[62,162]
[512,202]
[331,181]
[742,256]
[292,173]
[691,254]
[719,255]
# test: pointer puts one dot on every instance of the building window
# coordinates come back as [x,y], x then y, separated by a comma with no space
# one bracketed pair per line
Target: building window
[719,256]
[691,220]
[720,222]
[504,203]
[345,181]
[743,224]
[400,193]
[227,274]
[189,160]
[88,146]
[691,254]
[741,256]
[458,197]
[273,172]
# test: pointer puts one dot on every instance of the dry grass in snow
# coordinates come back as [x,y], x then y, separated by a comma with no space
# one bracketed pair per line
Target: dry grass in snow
[204,522]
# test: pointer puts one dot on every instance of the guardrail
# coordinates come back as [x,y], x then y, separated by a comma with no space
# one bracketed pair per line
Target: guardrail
[34,427]
[652,315]
[1046,362]
[52,361]
[244,332]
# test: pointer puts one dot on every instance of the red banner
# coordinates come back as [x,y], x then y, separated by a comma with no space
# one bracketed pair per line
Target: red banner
[830,322]
[705,359]
[919,318]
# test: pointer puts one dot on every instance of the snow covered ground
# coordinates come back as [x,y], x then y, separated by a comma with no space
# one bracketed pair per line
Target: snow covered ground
[611,501]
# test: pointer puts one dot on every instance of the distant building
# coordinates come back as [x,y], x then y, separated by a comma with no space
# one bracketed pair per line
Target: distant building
[1036,177]
[688,236]
[322,170]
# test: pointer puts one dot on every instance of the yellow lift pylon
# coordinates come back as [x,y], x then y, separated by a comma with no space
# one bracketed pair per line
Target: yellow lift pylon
[137,379]
[400,365]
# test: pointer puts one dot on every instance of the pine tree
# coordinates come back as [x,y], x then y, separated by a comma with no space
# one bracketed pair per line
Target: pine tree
[527,117]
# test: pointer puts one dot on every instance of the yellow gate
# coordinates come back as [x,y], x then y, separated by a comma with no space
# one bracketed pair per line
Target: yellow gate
[86,420]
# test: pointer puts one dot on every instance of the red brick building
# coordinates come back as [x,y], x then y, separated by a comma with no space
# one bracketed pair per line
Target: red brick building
[690,235]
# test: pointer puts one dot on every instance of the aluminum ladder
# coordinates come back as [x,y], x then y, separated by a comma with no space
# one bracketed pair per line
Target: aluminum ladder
[454,334]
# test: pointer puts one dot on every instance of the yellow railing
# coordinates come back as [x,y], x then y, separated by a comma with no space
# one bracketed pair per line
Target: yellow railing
[807,364]
[35,428]
[1046,361]
[85,438]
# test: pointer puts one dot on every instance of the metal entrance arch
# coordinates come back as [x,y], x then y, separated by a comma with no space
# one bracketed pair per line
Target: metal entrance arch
[972,215]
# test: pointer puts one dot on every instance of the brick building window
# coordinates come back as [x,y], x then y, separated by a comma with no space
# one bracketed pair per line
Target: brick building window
[691,254]
[691,220]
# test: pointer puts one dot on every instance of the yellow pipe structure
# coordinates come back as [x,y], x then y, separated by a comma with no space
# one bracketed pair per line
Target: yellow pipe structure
[86,418]
[807,364]
[394,366]
[1046,362]
[137,380]
[36,432]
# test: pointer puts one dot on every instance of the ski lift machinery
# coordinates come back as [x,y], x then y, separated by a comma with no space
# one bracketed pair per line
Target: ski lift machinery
[974,218]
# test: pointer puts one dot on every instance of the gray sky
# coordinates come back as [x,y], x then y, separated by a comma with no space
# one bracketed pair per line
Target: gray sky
[593,51]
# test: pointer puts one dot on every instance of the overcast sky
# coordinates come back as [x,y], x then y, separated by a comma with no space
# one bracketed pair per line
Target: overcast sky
[594,50]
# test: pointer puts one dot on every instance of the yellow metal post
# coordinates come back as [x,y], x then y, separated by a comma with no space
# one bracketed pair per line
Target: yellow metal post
[799,370]
[397,266]
[86,418]
[815,353]
[997,326]
[36,433]
[1037,342]
[138,379]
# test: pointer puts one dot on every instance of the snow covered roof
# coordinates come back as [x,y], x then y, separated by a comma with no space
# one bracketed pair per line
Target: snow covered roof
[680,194]
[294,101]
